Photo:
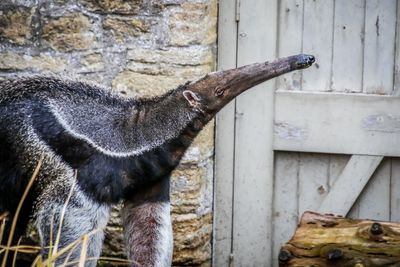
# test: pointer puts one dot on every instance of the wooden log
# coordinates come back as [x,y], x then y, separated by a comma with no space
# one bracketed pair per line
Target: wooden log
[327,240]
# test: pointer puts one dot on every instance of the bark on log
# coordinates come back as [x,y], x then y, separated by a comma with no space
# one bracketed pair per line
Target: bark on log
[327,240]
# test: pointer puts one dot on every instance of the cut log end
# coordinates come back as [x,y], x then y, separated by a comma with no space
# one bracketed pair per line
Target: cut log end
[328,240]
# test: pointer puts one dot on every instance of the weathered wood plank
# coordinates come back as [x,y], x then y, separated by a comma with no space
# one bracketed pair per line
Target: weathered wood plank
[349,185]
[347,59]
[325,240]
[337,123]
[337,163]
[318,40]
[379,48]
[253,148]
[395,190]
[290,24]
[224,142]
[313,180]
[285,200]
[354,211]
[397,55]
[374,202]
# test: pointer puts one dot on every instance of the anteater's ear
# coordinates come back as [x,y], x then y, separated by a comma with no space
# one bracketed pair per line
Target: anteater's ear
[191,97]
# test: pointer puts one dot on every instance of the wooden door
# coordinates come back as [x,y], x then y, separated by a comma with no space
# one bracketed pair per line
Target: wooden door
[326,139]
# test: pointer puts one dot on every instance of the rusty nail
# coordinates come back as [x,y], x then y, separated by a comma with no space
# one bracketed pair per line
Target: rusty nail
[376,229]
[335,254]
[284,255]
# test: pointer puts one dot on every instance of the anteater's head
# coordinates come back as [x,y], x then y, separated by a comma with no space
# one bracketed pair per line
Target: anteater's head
[212,92]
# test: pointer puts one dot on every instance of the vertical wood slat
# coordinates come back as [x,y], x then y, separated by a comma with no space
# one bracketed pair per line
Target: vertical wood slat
[313,81]
[395,189]
[253,147]
[290,39]
[374,202]
[337,163]
[397,55]
[317,40]
[313,181]
[379,47]
[285,217]
[354,211]
[347,59]
[224,142]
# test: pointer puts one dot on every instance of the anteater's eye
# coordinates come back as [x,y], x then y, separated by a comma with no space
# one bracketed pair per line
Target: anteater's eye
[219,91]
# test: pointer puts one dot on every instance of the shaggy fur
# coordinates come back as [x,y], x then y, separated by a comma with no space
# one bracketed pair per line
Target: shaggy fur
[118,147]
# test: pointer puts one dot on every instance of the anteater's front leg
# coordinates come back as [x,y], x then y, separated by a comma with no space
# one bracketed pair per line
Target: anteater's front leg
[147,226]
[79,217]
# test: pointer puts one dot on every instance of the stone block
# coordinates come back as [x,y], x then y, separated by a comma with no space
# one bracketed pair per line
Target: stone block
[193,23]
[15,25]
[132,7]
[189,73]
[69,32]
[205,141]
[192,235]
[13,61]
[181,56]
[126,28]
[144,85]
[186,185]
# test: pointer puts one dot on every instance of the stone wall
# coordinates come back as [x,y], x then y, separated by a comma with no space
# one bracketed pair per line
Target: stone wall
[136,48]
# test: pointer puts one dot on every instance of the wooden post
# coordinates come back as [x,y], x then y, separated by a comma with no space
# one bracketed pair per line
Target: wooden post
[327,240]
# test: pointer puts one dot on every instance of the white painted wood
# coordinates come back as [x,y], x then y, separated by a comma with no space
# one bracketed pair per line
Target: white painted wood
[285,210]
[337,123]
[349,185]
[380,34]
[347,59]
[313,181]
[375,199]
[397,55]
[253,147]
[395,191]
[224,142]
[354,211]
[337,163]
[290,25]
[318,40]
[304,121]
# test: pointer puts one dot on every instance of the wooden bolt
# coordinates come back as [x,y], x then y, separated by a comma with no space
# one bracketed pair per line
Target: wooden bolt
[335,254]
[284,255]
[376,229]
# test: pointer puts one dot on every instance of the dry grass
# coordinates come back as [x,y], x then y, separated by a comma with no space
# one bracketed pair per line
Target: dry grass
[55,252]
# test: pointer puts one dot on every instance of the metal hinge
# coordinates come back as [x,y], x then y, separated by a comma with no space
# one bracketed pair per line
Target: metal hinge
[237,11]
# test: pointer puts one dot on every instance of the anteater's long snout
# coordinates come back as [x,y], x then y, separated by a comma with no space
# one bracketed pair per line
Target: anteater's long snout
[240,79]
[218,88]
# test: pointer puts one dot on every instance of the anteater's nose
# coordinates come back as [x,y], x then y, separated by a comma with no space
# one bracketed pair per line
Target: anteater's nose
[311,58]
[305,61]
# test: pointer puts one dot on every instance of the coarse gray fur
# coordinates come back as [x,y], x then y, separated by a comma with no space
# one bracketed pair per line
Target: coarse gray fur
[115,126]
[82,216]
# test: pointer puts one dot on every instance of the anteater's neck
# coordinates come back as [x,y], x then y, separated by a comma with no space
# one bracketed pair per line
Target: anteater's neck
[157,121]
[173,124]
